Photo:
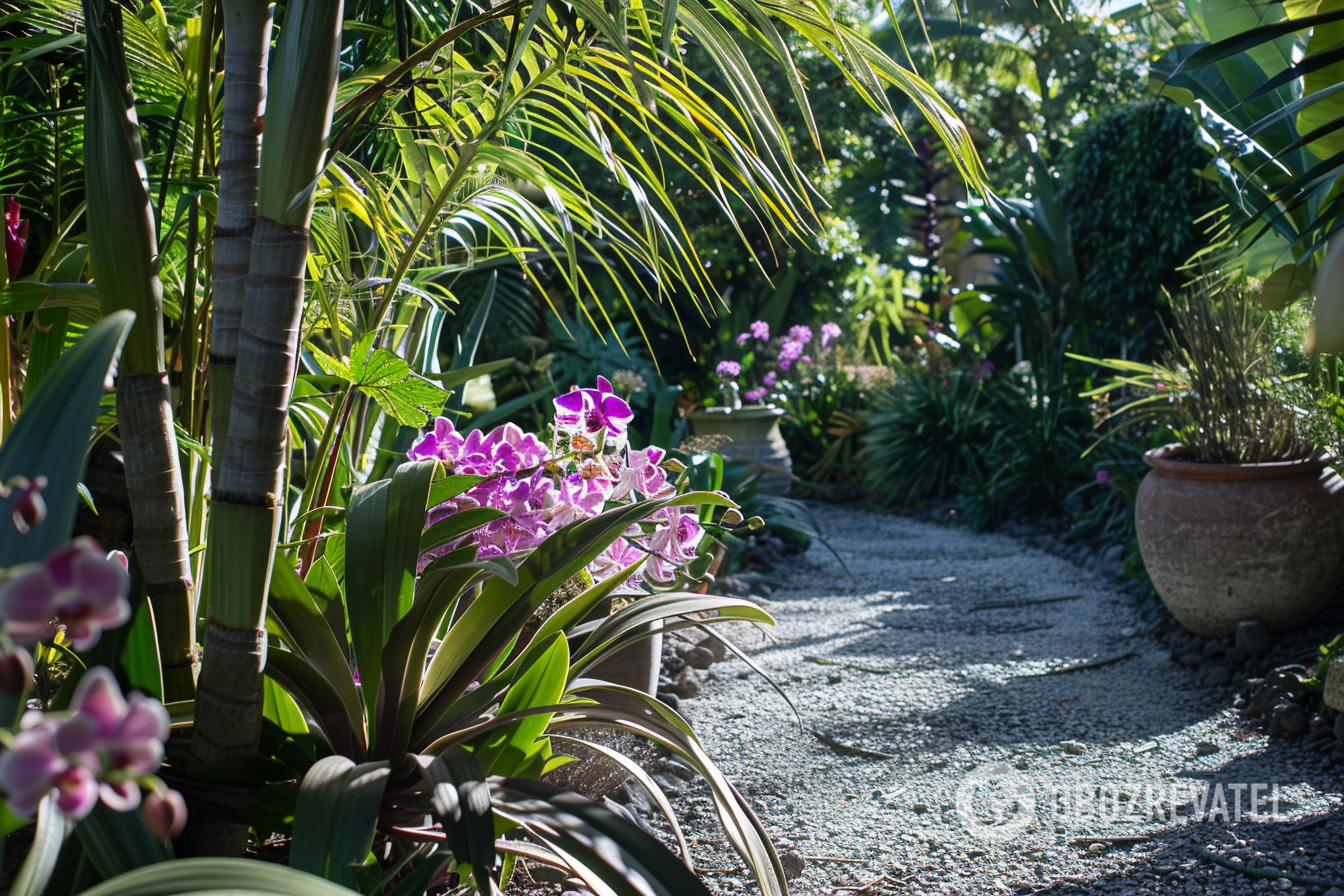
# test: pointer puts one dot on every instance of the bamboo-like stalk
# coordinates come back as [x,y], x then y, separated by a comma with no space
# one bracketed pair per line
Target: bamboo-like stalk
[123,248]
[248,499]
[247,40]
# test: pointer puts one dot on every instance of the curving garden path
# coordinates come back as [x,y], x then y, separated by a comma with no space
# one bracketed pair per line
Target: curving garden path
[941,653]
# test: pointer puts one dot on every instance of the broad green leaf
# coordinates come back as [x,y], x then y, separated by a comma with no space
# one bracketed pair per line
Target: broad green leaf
[382,375]
[461,799]
[117,842]
[237,877]
[51,437]
[1324,37]
[48,838]
[605,850]
[336,816]
[1282,288]
[542,683]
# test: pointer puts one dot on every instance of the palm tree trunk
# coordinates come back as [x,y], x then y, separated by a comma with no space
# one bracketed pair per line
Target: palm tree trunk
[249,501]
[247,40]
[123,249]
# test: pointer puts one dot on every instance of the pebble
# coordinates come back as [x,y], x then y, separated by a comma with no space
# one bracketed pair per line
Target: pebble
[688,684]
[793,865]
[1254,637]
[699,658]
[1206,748]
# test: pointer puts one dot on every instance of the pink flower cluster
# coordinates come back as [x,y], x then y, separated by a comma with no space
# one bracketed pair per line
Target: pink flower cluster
[101,749]
[540,488]
[77,586]
[788,351]
[728,369]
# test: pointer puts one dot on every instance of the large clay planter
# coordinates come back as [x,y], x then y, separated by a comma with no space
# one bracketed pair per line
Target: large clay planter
[1224,543]
[755,436]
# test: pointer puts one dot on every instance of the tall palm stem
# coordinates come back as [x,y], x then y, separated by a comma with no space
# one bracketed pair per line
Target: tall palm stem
[124,250]
[249,501]
[247,40]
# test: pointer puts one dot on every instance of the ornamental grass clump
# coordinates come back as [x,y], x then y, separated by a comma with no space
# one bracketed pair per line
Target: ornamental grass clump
[1222,388]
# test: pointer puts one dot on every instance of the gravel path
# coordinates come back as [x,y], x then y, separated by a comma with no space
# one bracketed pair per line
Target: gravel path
[932,676]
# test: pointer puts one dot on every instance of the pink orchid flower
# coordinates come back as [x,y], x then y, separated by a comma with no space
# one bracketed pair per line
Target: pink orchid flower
[94,752]
[77,586]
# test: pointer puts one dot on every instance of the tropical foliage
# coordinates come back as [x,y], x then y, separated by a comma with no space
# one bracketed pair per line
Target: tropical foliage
[338,633]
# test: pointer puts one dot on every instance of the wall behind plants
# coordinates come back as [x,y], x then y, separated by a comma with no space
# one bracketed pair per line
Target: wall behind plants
[1133,195]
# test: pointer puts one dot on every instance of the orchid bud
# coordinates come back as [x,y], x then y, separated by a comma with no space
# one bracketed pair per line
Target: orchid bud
[165,815]
[16,237]
[29,507]
[16,672]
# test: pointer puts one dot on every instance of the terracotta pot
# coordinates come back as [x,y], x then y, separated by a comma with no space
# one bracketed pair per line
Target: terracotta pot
[635,666]
[755,436]
[1225,543]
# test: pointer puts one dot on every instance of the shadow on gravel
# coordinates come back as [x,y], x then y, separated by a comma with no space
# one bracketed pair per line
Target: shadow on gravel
[1309,852]
[1130,702]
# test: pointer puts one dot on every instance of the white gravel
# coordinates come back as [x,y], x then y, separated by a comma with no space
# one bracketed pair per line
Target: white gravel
[906,659]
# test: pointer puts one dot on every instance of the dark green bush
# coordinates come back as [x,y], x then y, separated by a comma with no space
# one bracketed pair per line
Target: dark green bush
[922,434]
[1133,194]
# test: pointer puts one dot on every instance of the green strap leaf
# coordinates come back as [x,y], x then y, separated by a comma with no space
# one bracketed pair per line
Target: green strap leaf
[51,437]
[242,877]
[336,816]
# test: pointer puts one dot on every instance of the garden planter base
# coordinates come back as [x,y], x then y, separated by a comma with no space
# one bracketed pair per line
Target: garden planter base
[1226,543]
[755,436]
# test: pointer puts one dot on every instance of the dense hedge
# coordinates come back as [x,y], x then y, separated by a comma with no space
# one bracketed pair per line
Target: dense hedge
[1133,194]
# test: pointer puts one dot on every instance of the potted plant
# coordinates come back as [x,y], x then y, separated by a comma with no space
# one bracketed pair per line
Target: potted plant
[746,419]
[1242,518]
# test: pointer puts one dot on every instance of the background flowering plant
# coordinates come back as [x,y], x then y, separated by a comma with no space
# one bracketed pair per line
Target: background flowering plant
[766,366]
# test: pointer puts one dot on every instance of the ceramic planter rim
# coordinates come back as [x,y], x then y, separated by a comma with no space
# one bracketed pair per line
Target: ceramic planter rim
[754,410]
[1160,462]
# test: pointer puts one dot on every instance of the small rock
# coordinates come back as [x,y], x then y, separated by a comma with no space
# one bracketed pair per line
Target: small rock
[919,808]
[1333,891]
[1217,677]
[1254,637]
[1193,658]
[1288,718]
[670,699]
[699,658]
[716,648]
[688,684]
[1205,748]
[1321,727]
[1339,727]
[834,678]
[793,865]
[1073,747]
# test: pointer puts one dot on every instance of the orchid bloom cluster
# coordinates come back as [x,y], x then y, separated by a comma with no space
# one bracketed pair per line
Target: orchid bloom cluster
[77,587]
[788,350]
[587,468]
[105,748]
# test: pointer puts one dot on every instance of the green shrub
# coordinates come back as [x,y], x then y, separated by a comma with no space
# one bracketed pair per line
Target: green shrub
[1133,194]
[922,435]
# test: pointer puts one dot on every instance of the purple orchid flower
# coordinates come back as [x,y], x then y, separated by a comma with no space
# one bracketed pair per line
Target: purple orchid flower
[592,412]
